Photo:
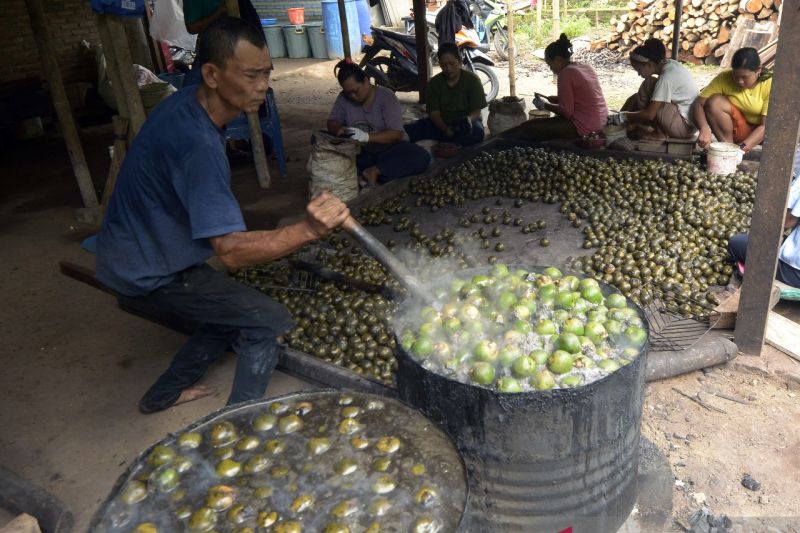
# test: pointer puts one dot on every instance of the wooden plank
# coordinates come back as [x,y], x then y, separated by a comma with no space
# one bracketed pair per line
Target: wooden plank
[47,54]
[748,32]
[774,175]
[729,308]
[111,66]
[424,66]
[120,48]
[783,334]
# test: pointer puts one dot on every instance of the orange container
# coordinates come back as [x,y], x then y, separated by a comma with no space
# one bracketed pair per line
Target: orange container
[297,15]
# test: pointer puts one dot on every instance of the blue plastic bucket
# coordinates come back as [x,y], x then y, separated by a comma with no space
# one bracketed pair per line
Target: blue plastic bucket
[364,18]
[333,28]
[269,22]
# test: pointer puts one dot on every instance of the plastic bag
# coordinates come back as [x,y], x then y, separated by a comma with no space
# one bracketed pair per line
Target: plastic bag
[332,165]
[125,8]
[167,25]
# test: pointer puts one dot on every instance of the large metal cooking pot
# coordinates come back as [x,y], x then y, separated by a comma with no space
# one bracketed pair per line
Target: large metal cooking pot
[540,461]
[310,461]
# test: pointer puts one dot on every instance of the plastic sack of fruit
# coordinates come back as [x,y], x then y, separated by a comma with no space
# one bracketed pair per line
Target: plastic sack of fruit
[332,165]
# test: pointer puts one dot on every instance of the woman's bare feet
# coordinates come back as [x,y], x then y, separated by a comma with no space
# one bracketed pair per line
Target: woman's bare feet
[195,392]
[372,174]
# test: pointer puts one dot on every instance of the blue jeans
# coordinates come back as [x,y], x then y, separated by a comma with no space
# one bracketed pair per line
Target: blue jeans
[396,161]
[228,314]
[464,134]
[737,248]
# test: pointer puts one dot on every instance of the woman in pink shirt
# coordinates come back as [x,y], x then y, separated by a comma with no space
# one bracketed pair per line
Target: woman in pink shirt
[580,105]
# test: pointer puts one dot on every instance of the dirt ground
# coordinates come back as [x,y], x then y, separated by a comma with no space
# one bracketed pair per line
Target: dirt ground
[74,365]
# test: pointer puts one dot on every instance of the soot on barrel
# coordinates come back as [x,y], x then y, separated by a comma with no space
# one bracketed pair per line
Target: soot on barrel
[548,427]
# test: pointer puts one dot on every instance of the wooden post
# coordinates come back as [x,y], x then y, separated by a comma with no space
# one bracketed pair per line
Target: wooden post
[345,30]
[512,74]
[539,6]
[676,29]
[256,140]
[423,54]
[119,44]
[47,53]
[774,175]
[112,68]
[137,42]
[120,147]
[556,20]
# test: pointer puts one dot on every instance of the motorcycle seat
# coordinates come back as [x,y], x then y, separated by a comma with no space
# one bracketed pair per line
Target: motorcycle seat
[402,37]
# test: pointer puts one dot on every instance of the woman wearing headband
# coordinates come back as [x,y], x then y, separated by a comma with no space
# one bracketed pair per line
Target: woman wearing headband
[734,105]
[662,106]
[579,105]
[372,116]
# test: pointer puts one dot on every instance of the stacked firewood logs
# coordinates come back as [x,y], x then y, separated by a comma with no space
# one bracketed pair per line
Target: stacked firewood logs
[706,26]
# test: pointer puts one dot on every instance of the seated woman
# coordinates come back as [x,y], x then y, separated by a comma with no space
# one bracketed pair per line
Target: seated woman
[664,99]
[734,105]
[580,104]
[789,256]
[371,115]
[454,100]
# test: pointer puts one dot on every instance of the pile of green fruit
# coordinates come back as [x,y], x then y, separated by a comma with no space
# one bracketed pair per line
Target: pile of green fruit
[318,462]
[335,322]
[655,228]
[520,331]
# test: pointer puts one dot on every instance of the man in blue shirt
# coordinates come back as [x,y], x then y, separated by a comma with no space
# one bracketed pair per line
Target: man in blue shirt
[173,208]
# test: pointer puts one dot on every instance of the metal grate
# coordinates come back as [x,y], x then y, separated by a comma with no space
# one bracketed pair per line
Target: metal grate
[670,330]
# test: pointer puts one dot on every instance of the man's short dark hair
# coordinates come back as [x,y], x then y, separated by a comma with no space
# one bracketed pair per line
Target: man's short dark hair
[218,41]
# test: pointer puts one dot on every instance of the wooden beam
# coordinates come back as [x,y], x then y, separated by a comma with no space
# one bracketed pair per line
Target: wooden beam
[348,54]
[556,20]
[120,148]
[254,124]
[112,68]
[783,334]
[774,175]
[512,74]
[424,65]
[119,44]
[47,53]
[676,29]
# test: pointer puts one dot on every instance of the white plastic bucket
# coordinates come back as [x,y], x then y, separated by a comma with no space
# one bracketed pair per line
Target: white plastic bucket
[722,158]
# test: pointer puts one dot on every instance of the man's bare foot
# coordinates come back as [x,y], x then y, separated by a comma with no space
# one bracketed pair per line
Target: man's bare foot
[195,392]
[372,174]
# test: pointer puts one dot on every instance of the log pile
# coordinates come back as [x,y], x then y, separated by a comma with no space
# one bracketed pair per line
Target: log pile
[706,26]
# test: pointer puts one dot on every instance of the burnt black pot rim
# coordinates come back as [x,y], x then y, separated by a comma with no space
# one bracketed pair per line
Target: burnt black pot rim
[228,410]
[631,368]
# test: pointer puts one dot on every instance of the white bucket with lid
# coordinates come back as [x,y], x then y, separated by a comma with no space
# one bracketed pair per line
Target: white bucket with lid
[722,158]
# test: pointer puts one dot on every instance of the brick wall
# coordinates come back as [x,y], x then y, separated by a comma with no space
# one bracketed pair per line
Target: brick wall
[70,21]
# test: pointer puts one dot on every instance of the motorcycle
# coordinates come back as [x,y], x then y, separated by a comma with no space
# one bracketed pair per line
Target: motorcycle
[493,15]
[398,71]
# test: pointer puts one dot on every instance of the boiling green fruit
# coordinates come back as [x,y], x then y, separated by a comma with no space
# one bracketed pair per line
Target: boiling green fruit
[522,312]
[545,327]
[500,270]
[560,362]
[566,299]
[485,350]
[428,329]
[539,356]
[482,373]
[508,384]
[543,380]
[552,272]
[422,348]
[406,340]
[630,353]
[474,327]
[586,283]
[523,327]
[613,327]
[616,300]
[560,316]
[506,300]
[441,350]
[569,382]
[524,366]
[452,325]
[570,282]
[508,354]
[581,306]
[609,365]
[636,336]
[572,325]
[596,316]
[547,291]
[595,332]
[469,313]
[569,342]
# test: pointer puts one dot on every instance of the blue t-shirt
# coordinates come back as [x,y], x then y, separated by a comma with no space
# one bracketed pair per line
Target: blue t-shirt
[173,192]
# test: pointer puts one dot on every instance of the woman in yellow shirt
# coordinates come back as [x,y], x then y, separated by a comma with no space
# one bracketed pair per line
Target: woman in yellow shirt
[734,105]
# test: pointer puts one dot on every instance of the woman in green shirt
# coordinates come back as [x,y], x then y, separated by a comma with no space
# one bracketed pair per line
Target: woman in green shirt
[454,101]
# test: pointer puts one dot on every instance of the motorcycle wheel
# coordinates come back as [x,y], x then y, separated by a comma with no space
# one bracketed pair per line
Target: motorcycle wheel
[500,41]
[383,64]
[491,85]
